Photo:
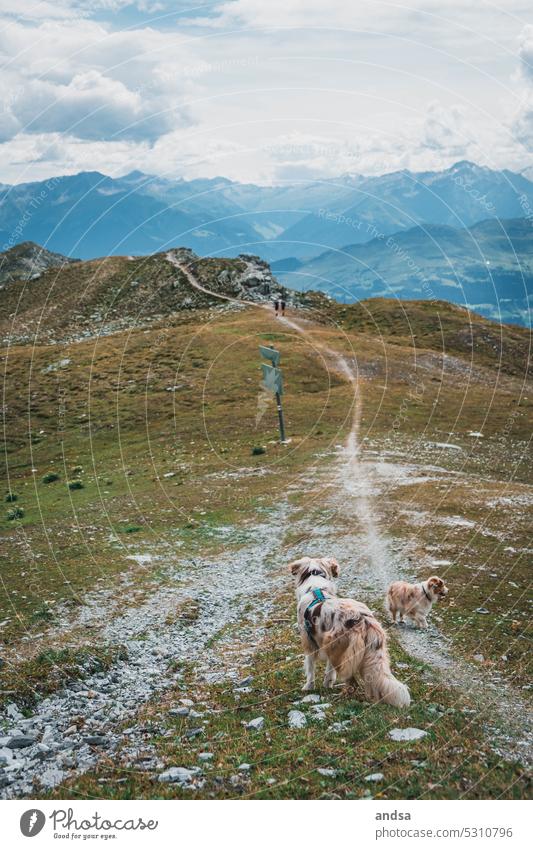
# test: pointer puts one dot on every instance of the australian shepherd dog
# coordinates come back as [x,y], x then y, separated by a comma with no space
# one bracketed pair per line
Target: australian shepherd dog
[414,600]
[343,632]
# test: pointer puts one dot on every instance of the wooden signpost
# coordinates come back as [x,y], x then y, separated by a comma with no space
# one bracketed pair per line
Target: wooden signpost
[273,382]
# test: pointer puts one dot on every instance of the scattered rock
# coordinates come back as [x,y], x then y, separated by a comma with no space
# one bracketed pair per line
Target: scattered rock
[339,727]
[13,712]
[180,711]
[312,697]
[297,719]
[245,681]
[96,740]
[205,756]
[178,774]
[244,767]
[327,773]
[51,777]
[20,741]
[191,733]
[375,776]
[400,734]
[479,657]
[256,724]
[481,610]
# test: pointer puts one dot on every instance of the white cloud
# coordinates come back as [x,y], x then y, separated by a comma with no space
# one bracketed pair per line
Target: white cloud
[260,95]
[523,122]
[78,77]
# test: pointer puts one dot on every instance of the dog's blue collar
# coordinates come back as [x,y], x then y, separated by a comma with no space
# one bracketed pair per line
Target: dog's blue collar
[318,597]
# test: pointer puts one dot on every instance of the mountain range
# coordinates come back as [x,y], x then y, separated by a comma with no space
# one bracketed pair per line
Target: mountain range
[336,234]
[487,268]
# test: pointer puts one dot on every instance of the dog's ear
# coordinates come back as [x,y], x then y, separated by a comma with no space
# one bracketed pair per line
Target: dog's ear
[296,565]
[332,565]
[434,581]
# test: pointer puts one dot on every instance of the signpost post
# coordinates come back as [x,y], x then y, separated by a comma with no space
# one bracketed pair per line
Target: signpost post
[273,382]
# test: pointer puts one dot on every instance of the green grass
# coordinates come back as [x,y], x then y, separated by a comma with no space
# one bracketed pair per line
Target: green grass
[175,469]
[51,669]
[452,761]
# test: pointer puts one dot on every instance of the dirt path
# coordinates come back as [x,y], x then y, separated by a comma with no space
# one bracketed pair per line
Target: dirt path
[196,285]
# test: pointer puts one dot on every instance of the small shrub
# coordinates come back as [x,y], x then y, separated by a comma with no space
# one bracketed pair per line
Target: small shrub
[11,496]
[258,449]
[75,484]
[50,477]
[131,529]
[15,513]
[43,614]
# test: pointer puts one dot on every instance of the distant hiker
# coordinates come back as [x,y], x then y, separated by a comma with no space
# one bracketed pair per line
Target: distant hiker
[276,306]
[282,306]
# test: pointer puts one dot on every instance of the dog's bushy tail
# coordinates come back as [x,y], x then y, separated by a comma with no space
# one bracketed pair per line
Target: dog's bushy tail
[379,682]
[357,648]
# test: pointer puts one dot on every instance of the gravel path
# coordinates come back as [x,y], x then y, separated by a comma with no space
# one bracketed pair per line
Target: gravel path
[69,730]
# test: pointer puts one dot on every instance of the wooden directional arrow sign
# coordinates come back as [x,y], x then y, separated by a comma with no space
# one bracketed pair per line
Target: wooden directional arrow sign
[272,379]
[270,354]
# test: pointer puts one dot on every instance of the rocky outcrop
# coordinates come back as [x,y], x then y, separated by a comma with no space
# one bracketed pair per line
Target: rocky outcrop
[27,261]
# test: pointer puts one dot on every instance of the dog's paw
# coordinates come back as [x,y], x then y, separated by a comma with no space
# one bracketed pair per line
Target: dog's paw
[306,687]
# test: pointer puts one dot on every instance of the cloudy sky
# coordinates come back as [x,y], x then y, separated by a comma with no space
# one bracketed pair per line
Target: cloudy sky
[264,90]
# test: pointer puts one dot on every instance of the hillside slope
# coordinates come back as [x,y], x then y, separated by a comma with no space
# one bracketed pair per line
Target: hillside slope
[84,299]
[147,608]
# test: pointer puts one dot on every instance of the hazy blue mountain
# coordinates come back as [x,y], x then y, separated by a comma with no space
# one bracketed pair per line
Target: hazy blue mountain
[458,197]
[488,267]
[88,215]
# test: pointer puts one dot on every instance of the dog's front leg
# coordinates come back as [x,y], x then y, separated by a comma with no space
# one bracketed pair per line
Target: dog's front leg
[421,621]
[309,666]
[330,676]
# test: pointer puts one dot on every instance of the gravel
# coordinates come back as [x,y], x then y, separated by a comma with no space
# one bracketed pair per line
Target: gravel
[106,700]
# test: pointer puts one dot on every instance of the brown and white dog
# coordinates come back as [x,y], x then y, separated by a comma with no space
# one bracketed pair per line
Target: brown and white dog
[414,600]
[342,632]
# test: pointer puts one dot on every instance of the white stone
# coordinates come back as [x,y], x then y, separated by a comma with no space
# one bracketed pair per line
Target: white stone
[297,719]
[375,776]
[178,774]
[257,723]
[400,734]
